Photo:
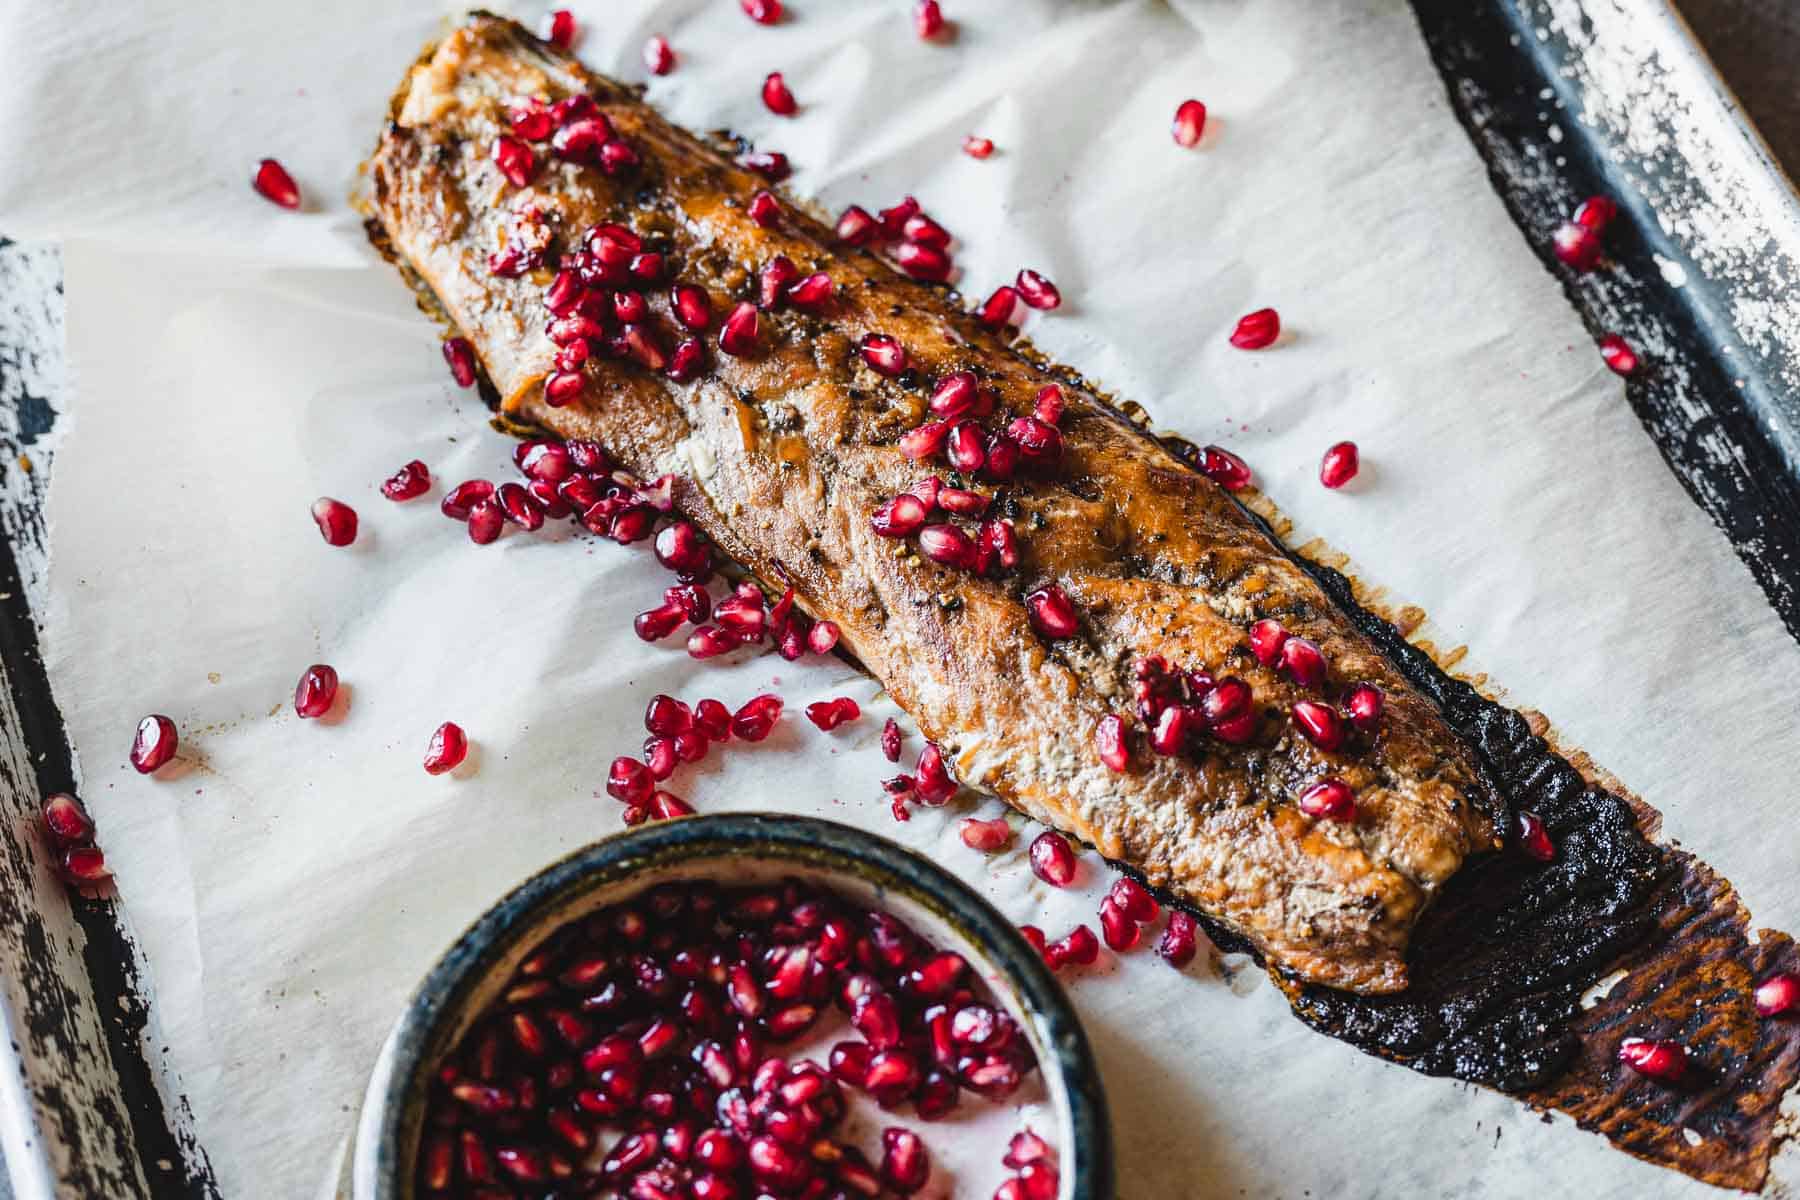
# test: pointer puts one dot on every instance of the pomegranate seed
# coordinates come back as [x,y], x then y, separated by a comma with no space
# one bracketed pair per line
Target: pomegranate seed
[756,718]
[927,264]
[1225,468]
[692,306]
[1618,355]
[1190,123]
[316,690]
[998,537]
[928,490]
[1339,465]
[1777,994]
[448,746]
[485,521]
[460,355]
[515,160]
[660,758]
[1025,1148]
[1049,405]
[925,441]
[921,229]
[1664,1061]
[764,208]
[1319,723]
[687,360]
[1303,662]
[461,500]
[928,18]
[84,865]
[962,503]
[899,517]
[1257,330]
[543,459]
[1178,941]
[693,600]
[531,120]
[964,448]
[1033,935]
[1266,641]
[667,716]
[66,819]
[932,778]
[738,336]
[948,545]
[659,59]
[1119,931]
[411,480]
[1052,613]
[813,292]
[890,740]
[518,506]
[954,395]
[629,782]
[856,227]
[617,157]
[1576,246]
[977,147]
[1037,441]
[1329,800]
[985,836]
[1133,900]
[680,548]
[772,165]
[562,388]
[893,220]
[905,1165]
[1365,706]
[777,99]
[559,29]
[1052,860]
[822,638]
[1225,701]
[997,313]
[1596,213]
[884,354]
[1078,948]
[273,183]
[1109,740]
[629,307]
[580,139]
[829,714]
[774,279]
[666,806]
[1534,839]
[763,12]
[1037,291]
[1169,734]
[336,521]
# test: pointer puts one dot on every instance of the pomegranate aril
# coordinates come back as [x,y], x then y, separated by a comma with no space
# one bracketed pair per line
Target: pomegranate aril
[1133,900]
[531,120]
[884,354]
[1618,355]
[763,12]
[931,779]
[629,307]
[579,140]
[559,28]
[1026,1147]
[1109,740]
[562,388]
[1339,465]
[667,716]
[410,481]
[1052,860]
[921,229]
[686,361]
[963,448]
[66,819]
[1225,468]
[954,395]
[84,865]
[1049,405]
[1534,839]
[1226,701]
[336,521]
[1596,213]
[518,506]
[1078,947]
[485,522]
[778,99]
[772,165]
[1189,123]
[890,740]
[928,18]
[813,292]
[1257,330]
[1576,246]
[1303,662]
[1778,994]
[713,719]
[617,157]
[659,59]
[925,441]
[1037,441]
[822,638]
[1365,705]
[1319,723]
[999,541]
[154,744]
[657,623]
[629,781]
[446,749]
[756,718]
[680,548]
[1002,457]
[773,280]
[829,714]
[1329,800]
[459,355]
[738,335]
[856,227]
[928,264]
[660,758]
[894,219]
[515,160]
[1119,931]
[947,545]
[998,311]
[977,147]
[1179,940]
[1661,1060]
[963,503]
[985,836]
[1052,613]
[273,183]
[316,690]
[905,1164]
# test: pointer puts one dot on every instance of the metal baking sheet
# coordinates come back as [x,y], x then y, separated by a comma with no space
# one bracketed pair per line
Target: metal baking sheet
[1562,97]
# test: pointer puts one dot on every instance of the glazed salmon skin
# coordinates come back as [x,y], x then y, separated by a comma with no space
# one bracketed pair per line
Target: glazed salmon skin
[1126,584]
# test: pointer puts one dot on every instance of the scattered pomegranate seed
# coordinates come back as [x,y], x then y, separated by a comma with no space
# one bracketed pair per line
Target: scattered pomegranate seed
[1329,800]
[515,160]
[985,836]
[1365,705]
[905,1165]
[154,744]
[659,59]
[336,521]
[1119,931]
[629,781]
[829,714]
[1077,948]
[998,311]
[738,335]
[1596,213]
[756,718]
[274,184]
[410,481]
[1339,465]
[1037,291]
[925,441]
[1664,1061]
[1034,936]
[921,229]
[1266,641]
[1303,661]
[85,865]
[948,545]
[965,451]
[928,264]
[1052,613]
[1049,405]
[813,292]
[772,165]
[1189,123]
[932,778]
[822,638]
[1576,246]
[461,500]
[1257,330]
[1618,355]
[316,690]
[1225,468]
[1778,994]
[531,120]
[486,520]
[1534,839]
[1109,740]
[1178,941]
[763,12]
[1052,860]
[446,749]
[890,740]
[461,357]
[856,227]
[884,354]
[764,208]
[562,388]
[1319,723]
[977,147]
[900,517]
[928,18]
[559,29]
[67,821]
[776,96]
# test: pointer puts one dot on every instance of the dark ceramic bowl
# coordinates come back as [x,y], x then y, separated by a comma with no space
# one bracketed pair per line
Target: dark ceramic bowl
[732,848]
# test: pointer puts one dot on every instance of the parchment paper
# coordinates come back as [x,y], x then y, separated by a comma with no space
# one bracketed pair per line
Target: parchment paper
[234,361]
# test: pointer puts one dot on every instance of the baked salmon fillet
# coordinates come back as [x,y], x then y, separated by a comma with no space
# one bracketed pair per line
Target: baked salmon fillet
[1107,625]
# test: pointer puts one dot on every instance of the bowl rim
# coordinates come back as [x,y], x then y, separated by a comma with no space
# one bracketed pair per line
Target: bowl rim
[826,845]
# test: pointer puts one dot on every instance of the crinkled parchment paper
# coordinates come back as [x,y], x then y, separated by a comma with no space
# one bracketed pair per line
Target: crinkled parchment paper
[233,361]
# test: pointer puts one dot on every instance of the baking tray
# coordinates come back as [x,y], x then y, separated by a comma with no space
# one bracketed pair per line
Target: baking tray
[1563,98]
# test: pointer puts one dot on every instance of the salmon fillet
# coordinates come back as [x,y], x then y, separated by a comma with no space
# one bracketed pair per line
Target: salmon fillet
[786,451]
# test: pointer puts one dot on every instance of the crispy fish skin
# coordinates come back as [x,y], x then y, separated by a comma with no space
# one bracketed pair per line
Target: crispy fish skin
[785,453]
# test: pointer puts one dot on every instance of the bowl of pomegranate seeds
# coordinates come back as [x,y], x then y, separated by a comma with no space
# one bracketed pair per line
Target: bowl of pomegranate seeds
[737,1006]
